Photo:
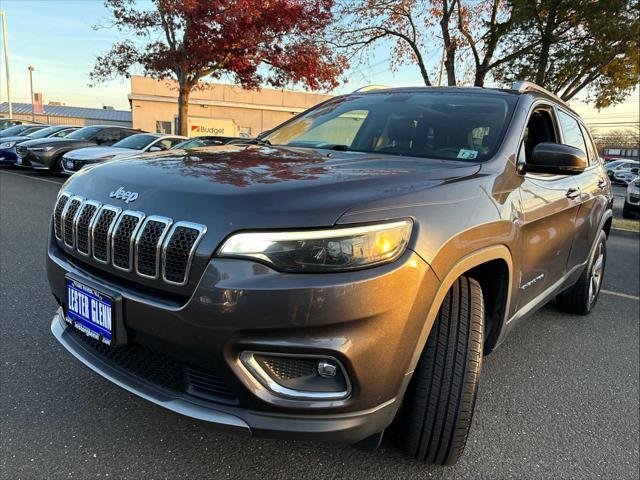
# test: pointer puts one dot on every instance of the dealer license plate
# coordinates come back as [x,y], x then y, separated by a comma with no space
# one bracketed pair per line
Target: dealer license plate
[90,311]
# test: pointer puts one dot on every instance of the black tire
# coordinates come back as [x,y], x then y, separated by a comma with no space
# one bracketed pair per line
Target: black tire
[439,404]
[580,298]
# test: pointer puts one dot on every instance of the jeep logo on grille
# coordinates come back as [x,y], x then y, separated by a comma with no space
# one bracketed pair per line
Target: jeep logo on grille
[125,195]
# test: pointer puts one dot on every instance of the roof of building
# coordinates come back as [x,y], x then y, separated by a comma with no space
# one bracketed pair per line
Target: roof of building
[72,112]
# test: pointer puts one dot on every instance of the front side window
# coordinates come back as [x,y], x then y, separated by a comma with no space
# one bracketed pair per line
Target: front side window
[439,125]
[540,128]
[571,131]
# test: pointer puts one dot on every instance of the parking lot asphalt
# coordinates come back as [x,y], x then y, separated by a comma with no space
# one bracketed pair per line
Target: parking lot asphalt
[559,399]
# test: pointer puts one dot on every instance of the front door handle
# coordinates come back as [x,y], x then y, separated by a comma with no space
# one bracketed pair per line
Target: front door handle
[573,192]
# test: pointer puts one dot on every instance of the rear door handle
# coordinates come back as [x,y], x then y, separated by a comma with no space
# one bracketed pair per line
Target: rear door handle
[573,193]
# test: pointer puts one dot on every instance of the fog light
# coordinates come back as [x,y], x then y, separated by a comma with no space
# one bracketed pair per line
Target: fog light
[327,369]
[300,377]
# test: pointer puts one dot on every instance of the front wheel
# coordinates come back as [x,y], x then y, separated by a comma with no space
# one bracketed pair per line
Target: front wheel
[582,297]
[439,404]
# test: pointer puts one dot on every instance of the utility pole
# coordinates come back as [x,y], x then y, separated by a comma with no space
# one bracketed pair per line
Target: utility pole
[6,60]
[441,67]
[33,107]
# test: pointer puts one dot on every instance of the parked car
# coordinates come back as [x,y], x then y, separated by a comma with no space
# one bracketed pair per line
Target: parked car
[361,256]
[631,208]
[45,154]
[623,177]
[18,130]
[128,147]
[10,122]
[619,165]
[205,141]
[8,145]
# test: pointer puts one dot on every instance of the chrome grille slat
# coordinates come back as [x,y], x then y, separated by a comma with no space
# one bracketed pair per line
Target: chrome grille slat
[178,250]
[152,247]
[86,217]
[148,245]
[57,213]
[101,232]
[123,238]
[69,213]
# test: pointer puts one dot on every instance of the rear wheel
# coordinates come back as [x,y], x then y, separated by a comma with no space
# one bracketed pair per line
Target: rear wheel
[439,404]
[582,297]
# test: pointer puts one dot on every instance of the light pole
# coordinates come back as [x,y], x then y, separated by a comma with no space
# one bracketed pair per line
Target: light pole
[33,108]
[6,60]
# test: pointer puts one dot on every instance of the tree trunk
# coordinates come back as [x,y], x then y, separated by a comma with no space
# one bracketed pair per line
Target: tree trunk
[547,40]
[481,73]
[449,46]
[183,109]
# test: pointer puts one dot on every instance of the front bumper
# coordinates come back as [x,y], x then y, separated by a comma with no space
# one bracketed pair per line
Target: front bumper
[369,320]
[8,156]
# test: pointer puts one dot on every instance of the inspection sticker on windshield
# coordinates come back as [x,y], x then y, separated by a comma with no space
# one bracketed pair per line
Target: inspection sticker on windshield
[467,154]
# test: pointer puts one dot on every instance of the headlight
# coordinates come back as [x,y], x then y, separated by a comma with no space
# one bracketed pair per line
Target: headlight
[7,144]
[330,250]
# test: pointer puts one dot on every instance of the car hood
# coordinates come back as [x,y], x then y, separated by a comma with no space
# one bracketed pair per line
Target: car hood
[57,143]
[231,188]
[16,139]
[97,153]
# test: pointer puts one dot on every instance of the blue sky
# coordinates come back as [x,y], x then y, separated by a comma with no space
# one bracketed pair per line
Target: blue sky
[58,39]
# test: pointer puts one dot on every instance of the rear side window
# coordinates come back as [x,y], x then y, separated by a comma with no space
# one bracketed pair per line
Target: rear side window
[571,131]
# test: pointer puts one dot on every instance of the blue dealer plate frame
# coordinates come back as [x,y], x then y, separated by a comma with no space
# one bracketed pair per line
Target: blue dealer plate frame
[90,311]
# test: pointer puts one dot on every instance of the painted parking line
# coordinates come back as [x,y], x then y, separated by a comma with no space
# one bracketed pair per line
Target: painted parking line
[32,177]
[619,294]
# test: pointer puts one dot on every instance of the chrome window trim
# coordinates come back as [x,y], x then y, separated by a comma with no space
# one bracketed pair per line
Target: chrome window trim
[167,225]
[63,222]
[91,220]
[67,195]
[117,211]
[251,365]
[202,230]
[133,213]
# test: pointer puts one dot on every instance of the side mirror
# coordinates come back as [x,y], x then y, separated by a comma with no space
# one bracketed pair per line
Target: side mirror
[155,148]
[557,159]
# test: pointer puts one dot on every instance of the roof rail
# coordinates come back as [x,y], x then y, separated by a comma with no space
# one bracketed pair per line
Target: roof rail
[522,86]
[369,88]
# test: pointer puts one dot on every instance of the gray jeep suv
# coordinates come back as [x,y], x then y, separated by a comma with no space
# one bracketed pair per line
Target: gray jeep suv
[348,269]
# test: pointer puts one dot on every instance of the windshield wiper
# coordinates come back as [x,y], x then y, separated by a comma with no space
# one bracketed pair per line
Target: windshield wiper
[250,141]
[339,147]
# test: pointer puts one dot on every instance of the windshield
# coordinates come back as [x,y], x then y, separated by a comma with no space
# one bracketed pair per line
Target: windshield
[201,142]
[443,125]
[84,133]
[136,142]
[44,132]
[16,130]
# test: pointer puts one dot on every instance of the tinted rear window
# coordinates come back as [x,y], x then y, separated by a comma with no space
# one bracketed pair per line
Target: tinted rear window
[442,125]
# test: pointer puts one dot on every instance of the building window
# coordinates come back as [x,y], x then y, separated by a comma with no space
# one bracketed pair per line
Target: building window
[244,132]
[163,127]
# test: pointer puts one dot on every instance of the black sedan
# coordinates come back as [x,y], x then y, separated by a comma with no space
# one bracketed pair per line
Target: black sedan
[46,153]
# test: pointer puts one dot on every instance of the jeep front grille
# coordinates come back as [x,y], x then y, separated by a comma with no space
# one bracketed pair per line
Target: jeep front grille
[152,246]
